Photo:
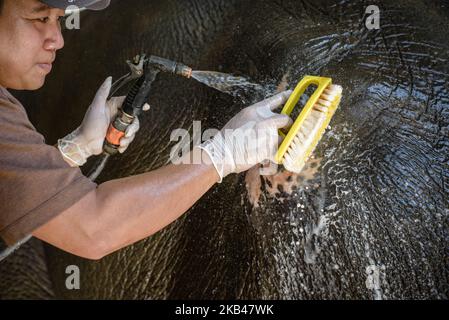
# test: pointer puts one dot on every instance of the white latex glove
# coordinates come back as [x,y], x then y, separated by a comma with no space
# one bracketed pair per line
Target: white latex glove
[249,138]
[88,138]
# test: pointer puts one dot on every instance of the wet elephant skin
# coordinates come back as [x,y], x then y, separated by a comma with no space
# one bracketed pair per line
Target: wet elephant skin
[372,222]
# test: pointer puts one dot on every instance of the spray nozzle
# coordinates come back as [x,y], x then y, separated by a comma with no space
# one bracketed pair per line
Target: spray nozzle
[169,66]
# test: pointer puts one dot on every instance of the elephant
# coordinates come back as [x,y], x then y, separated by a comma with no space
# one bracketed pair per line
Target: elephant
[366,219]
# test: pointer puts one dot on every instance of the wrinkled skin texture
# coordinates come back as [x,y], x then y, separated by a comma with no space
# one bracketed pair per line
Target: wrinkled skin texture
[371,223]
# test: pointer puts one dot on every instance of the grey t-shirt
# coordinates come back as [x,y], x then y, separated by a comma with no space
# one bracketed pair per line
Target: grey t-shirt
[36,184]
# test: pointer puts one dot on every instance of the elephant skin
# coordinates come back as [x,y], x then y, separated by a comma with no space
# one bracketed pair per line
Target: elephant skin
[370,218]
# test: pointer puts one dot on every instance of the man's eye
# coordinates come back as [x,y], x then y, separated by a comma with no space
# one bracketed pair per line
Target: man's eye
[43,20]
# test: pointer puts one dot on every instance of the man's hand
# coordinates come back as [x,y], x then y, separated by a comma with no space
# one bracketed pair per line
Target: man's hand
[88,138]
[249,138]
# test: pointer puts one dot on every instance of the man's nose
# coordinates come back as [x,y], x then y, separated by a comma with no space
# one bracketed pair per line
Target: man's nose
[54,39]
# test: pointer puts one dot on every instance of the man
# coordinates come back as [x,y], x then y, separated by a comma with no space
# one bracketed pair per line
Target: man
[42,190]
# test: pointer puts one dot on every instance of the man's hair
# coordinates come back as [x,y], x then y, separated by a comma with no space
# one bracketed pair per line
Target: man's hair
[1,5]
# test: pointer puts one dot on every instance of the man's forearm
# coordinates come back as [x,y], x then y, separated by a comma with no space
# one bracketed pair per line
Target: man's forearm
[150,201]
[123,211]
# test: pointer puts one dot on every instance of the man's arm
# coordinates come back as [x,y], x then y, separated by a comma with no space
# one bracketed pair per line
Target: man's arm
[123,211]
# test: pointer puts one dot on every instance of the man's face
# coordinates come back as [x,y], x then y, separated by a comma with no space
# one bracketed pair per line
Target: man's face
[30,35]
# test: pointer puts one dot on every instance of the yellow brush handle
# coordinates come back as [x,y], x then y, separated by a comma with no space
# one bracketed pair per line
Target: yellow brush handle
[321,83]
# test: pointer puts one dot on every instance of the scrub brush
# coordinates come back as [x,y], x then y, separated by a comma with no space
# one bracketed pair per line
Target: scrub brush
[302,138]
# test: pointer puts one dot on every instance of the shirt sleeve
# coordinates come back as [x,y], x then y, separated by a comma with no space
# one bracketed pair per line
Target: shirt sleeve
[36,184]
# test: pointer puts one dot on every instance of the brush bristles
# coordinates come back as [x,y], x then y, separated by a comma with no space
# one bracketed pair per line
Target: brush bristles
[302,146]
